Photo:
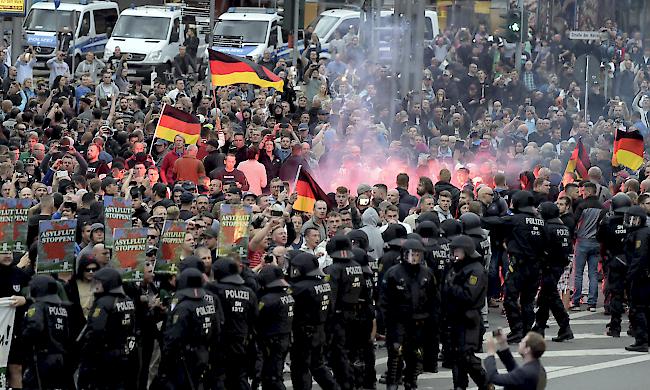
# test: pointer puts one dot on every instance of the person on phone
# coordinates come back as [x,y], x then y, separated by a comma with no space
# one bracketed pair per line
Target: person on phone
[58,67]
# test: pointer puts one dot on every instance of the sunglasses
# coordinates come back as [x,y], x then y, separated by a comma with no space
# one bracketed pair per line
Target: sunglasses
[152,236]
[91,270]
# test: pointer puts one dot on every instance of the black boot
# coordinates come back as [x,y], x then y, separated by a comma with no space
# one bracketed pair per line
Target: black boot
[637,347]
[563,335]
[613,330]
[539,329]
[514,337]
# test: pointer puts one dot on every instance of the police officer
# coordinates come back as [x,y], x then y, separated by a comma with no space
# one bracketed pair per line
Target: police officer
[108,342]
[311,294]
[436,255]
[274,325]
[408,300]
[481,237]
[346,280]
[638,275]
[239,305]
[363,349]
[555,260]
[47,338]
[189,332]
[526,238]
[450,229]
[464,295]
[612,234]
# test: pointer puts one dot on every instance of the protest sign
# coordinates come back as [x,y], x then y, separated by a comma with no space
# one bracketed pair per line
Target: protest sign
[129,252]
[6,222]
[56,246]
[117,214]
[21,214]
[170,246]
[7,316]
[233,233]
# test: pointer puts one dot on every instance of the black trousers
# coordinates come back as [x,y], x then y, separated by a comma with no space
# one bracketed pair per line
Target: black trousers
[231,364]
[362,352]
[307,359]
[341,334]
[274,350]
[404,344]
[549,298]
[519,302]
[640,308]
[466,363]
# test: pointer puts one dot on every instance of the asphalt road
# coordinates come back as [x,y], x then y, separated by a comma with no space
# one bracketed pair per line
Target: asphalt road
[592,360]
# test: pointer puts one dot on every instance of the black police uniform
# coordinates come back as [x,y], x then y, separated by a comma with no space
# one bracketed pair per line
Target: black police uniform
[436,256]
[526,241]
[637,255]
[47,338]
[464,295]
[274,325]
[556,259]
[612,234]
[363,348]
[346,280]
[108,343]
[409,301]
[189,333]
[311,310]
[239,305]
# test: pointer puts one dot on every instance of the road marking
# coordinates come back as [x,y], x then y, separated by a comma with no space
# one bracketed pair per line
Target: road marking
[582,336]
[603,321]
[447,374]
[599,366]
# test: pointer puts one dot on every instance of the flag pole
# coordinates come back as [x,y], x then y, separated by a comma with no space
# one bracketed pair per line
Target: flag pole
[153,140]
[296,179]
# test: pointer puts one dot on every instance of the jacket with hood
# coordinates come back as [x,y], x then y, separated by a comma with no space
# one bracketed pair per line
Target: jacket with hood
[369,222]
[442,215]
[446,186]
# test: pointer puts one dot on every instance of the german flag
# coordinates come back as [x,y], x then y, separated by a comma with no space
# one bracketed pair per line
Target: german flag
[175,122]
[628,149]
[227,70]
[578,163]
[308,193]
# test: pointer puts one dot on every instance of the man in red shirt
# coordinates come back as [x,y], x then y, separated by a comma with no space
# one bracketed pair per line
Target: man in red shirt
[188,167]
[167,166]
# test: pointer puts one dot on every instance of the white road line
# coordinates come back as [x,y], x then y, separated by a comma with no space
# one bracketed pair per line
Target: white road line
[603,321]
[582,336]
[447,374]
[599,366]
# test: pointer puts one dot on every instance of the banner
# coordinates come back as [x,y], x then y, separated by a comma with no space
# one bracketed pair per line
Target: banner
[56,246]
[129,252]
[233,233]
[7,315]
[21,214]
[6,222]
[169,249]
[117,214]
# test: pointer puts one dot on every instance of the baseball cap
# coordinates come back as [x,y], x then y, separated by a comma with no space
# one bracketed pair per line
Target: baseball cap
[187,197]
[361,188]
[160,141]
[303,126]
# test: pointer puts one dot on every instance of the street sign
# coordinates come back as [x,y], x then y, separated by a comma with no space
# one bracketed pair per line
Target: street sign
[12,8]
[584,35]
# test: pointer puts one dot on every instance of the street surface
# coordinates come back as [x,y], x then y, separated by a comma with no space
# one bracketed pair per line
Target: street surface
[592,360]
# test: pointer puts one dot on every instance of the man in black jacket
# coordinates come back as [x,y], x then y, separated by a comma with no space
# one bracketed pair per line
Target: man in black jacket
[529,376]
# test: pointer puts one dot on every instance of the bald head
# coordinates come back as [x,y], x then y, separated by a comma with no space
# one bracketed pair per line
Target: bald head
[595,173]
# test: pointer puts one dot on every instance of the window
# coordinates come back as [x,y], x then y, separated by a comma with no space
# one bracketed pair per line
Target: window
[104,19]
[84,29]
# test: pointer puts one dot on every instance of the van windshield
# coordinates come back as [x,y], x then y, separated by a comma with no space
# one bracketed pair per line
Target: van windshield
[324,24]
[50,20]
[250,31]
[142,27]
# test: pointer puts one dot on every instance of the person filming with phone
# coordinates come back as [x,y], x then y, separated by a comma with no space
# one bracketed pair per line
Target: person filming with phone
[528,376]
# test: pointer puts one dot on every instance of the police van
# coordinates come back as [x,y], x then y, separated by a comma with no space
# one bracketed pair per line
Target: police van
[78,27]
[341,20]
[149,36]
[248,32]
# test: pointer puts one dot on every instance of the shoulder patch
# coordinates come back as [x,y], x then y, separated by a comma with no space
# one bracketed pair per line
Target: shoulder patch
[473,280]
[260,305]
[175,319]
[638,244]
[31,311]
[327,277]
[97,312]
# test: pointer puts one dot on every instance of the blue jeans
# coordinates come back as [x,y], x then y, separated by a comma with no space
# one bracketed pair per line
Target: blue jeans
[587,253]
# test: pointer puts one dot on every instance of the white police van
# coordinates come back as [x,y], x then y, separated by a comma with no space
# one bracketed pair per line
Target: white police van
[89,22]
[149,36]
[330,21]
[248,32]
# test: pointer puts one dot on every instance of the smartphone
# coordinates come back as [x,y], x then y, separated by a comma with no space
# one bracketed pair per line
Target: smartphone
[276,213]
[497,332]
[62,174]
[287,187]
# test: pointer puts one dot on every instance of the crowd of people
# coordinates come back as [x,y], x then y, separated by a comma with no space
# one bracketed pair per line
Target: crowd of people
[492,221]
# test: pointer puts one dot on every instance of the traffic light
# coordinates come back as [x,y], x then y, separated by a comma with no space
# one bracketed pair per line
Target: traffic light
[516,27]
